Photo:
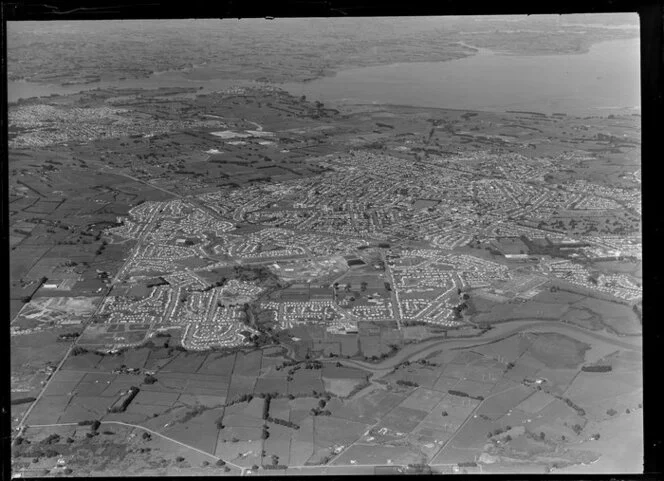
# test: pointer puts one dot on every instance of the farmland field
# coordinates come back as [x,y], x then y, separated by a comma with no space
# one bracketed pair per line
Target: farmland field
[186,400]
[230,261]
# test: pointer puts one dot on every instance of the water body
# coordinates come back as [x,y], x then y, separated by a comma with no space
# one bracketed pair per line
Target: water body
[604,80]
[601,81]
[189,79]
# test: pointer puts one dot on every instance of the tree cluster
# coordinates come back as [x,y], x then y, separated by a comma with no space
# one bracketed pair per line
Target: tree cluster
[464,394]
[320,412]
[283,422]
[605,368]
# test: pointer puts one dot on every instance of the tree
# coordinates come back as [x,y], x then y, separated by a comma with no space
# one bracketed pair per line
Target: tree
[179,459]
[220,463]
[78,350]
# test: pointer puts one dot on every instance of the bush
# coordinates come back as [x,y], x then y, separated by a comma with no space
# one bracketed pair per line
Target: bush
[179,459]
[53,438]
[458,393]
[402,382]
[150,379]
[220,463]
[22,400]
[266,406]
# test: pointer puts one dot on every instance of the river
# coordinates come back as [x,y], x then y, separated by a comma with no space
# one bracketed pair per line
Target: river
[602,343]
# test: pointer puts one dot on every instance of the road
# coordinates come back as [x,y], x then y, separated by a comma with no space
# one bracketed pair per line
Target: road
[155,433]
[58,367]
[115,279]
[146,231]
[322,469]
[469,417]
[396,305]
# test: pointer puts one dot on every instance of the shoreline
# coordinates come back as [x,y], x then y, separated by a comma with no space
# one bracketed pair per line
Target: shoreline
[47,89]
